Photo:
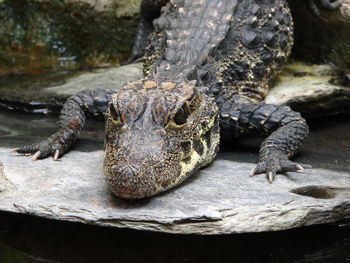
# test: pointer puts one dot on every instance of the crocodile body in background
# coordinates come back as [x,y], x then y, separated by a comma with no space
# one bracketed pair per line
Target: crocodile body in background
[208,66]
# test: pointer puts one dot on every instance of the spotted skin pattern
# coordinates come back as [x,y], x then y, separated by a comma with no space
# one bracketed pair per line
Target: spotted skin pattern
[208,66]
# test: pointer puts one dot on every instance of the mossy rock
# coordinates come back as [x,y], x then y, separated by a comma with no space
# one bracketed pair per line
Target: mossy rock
[41,36]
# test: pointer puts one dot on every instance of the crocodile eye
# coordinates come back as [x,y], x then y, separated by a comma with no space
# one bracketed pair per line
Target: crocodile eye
[114,113]
[181,115]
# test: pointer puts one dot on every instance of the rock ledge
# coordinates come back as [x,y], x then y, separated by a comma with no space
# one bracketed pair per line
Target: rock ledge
[221,199]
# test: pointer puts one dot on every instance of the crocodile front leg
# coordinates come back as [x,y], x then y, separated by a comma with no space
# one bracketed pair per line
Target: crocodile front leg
[286,130]
[71,122]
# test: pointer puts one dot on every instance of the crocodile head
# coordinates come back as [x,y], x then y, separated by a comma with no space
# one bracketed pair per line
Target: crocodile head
[157,135]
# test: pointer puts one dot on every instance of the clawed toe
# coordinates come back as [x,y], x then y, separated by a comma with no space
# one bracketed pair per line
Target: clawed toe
[50,147]
[258,169]
[274,167]
[36,155]
[56,155]
[271,176]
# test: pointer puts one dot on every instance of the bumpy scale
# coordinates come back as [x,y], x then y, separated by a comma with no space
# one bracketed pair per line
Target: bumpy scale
[208,66]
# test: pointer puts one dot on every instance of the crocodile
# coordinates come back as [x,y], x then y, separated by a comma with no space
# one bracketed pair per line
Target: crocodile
[208,66]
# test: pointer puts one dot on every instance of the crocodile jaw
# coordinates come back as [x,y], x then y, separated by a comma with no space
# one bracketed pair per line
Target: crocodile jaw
[146,172]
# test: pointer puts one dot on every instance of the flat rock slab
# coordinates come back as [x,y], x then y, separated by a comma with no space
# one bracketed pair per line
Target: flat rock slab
[221,199]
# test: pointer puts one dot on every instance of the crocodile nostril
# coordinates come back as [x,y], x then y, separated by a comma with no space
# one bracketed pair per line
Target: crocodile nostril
[318,192]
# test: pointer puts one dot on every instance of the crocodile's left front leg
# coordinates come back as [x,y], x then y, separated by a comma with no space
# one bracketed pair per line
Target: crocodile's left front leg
[286,130]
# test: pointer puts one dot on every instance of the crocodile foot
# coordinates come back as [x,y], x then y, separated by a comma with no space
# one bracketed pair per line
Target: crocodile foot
[328,4]
[56,145]
[275,161]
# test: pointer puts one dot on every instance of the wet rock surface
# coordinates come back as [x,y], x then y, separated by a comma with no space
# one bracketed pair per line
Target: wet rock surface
[220,199]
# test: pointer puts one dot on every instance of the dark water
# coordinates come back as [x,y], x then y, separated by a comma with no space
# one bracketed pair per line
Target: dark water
[40,240]
[31,239]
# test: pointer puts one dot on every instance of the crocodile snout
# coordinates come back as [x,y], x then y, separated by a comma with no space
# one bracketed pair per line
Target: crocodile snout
[129,182]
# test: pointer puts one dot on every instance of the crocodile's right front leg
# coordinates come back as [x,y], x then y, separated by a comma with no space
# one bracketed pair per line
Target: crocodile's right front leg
[71,122]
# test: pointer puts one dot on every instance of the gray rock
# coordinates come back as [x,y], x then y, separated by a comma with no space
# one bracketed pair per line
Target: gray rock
[101,79]
[221,199]
[313,90]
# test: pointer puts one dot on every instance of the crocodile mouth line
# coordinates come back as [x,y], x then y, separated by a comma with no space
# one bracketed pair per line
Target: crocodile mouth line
[195,160]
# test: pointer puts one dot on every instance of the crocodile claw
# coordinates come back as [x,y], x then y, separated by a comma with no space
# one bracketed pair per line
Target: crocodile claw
[273,166]
[36,155]
[56,155]
[271,176]
[56,145]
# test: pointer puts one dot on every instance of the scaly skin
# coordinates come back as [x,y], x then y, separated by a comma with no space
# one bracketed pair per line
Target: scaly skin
[150,10]
[157,135]
[208,63]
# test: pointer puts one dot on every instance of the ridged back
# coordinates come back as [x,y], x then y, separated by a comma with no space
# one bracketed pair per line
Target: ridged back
[198,27]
